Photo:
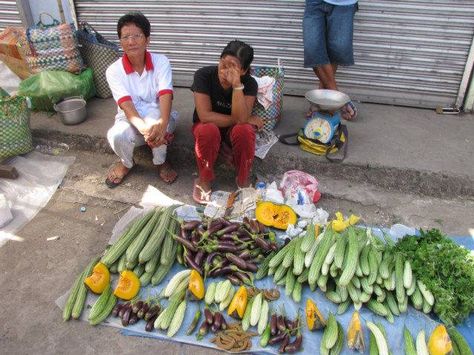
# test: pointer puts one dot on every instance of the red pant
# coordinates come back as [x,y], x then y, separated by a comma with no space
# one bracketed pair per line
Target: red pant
[208,139]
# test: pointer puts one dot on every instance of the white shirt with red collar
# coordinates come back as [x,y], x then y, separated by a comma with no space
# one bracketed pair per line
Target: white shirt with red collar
[143,90]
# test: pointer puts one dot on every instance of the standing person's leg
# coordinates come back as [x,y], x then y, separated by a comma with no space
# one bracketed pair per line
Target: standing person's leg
[166,172]
[242,138]
[340,29]
[206,148]
[123,138]
[315,43]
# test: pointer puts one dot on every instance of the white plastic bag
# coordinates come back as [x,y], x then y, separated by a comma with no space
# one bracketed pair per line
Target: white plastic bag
[5,213]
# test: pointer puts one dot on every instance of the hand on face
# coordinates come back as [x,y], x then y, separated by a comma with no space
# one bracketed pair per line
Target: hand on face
[230,71]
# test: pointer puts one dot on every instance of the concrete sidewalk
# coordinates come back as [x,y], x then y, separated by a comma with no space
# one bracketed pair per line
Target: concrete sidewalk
[395,148]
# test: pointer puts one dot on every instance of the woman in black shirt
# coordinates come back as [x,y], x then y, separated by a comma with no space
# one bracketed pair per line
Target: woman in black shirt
[224,96]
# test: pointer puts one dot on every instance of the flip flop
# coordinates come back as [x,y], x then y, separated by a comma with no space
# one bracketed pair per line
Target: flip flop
[111,183]
[354,109]
[199,195]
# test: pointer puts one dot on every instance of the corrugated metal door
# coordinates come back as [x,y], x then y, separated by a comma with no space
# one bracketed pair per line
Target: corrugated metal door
[407,52]
[9,15]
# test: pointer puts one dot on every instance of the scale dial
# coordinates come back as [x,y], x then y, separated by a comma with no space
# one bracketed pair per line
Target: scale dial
[320,129]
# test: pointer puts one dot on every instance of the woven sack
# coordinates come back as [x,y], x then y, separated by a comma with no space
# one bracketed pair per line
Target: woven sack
[54,47]
[272,115]
[15,133]
[98,54]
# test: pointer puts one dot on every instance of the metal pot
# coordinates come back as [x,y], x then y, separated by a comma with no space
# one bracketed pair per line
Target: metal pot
[72,110]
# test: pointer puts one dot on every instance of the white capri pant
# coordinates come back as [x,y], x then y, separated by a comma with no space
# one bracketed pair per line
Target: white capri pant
[123,137]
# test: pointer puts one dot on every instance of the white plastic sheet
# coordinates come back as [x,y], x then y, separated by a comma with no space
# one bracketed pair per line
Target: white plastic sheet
[39,177]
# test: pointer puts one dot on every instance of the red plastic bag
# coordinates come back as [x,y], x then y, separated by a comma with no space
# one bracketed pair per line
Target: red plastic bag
[296,182]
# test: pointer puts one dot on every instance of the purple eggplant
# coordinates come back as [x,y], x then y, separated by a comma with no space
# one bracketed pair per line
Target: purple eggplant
[273,325]
[186,243]
[199,257]
[150,324]
[277,338]
[284,343]
[190,225]
[191,263]
[221,271]
[229,229]
[234,279]
[208,316]
[234,259]
[251,267]
[262,243]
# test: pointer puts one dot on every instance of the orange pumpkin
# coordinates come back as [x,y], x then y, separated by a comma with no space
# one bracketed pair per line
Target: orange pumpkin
[274,215]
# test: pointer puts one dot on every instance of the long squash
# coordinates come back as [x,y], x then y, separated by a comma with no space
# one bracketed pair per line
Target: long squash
[154,241]
[137,244]
[82,292]
[119,247]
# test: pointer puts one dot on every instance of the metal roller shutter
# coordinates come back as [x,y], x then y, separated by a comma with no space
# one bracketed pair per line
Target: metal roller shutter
[9,15]
[407,52]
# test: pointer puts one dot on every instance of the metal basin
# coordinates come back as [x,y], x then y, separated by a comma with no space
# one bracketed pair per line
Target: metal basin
[327,100]
[72,110]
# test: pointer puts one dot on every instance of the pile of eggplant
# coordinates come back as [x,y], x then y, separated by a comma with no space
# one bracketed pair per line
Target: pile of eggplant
[130,313]
[218,247]
[280,330]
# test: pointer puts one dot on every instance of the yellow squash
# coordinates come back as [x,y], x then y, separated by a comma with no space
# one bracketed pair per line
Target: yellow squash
[196,285]
[274,215]
[99,278]
[440,342]
[314,318]
[239,303]
[128,285]
[355,336]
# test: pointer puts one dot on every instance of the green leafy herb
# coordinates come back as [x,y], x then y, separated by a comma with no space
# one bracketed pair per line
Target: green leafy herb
[446,268]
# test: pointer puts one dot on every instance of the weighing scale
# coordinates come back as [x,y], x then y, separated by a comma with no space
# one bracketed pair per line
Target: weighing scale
[325,116]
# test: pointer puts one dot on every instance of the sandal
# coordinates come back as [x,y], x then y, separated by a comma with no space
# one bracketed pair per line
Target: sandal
[117,180]
[345,112]
[201,196]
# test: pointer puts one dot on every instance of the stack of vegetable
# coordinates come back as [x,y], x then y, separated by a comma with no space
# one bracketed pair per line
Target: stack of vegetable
[146,247]
[352,266]
[446,269]
[218,247]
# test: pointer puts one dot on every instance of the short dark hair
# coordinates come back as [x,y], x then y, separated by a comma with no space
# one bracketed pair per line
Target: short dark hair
[138,19]
[240,50]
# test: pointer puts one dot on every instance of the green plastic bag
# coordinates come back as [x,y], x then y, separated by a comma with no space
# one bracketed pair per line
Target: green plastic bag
[51,86]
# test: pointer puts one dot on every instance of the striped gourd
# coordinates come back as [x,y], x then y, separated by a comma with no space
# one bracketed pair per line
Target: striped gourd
[140,240]
[174,303]
[417,299]
[279,273]
[264,266]
[330,332]
[399,288]
[309,239]
[288,259]
[72,296]
[109,306]
[177,320]
[384,268]
[82,292]
[152,264]
[154,241]
[308,258]
[298,260]
[352,259]
[121,263]
[322,281]
[167,250]
[296,294]
[409,343]
[100,303]
[339,251]
[317,263]
[364,260]
[373,266]
[139,270]
[377,307]
[289,282]
[160,273]
[304,276]
[392,304]
[119,247]
[342,307]
[145,279]
[278,258]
